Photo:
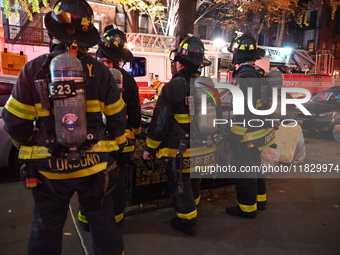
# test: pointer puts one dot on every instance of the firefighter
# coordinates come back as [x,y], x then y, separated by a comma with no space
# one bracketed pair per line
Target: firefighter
[169,132]
[53,171]
[113,52]
[246,141]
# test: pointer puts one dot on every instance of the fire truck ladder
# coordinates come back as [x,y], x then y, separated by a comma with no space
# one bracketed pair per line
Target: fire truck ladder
[288,57]
[158,43]
[149,42]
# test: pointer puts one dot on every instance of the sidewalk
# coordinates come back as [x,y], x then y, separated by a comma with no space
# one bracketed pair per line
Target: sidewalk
[302,217]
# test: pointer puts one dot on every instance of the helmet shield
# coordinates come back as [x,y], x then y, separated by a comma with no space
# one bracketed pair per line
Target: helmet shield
[72,20]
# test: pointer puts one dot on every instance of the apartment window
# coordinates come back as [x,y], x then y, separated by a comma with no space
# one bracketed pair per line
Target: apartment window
[324,45]
[202,32]
[250,16]
[310,46]
[143,24]
[337,22]
[333,50]
[261,40]
[312,19]
[328,18]
[121,21]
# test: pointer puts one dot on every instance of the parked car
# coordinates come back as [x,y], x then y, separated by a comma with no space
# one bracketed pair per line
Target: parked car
[325,110]
[8,153]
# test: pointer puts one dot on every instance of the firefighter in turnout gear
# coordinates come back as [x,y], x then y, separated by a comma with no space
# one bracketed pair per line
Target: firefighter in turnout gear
[169,135]
[245,141]
[30,117]
[112,52]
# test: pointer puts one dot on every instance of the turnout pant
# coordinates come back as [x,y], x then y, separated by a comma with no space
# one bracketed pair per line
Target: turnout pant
[52,199]
[252,188]
[185,202]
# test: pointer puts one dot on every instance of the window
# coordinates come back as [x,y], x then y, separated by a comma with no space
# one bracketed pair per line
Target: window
[137,67]
[250,16]
[143,24]
[324,45]
[202,32]
[333,50]
[310,46]
[261,40]
[121,21]
[312,19]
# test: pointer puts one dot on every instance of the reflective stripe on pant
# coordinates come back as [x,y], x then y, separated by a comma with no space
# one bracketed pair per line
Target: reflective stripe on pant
[185,202]
[50,212]
[249,189]
[119,193]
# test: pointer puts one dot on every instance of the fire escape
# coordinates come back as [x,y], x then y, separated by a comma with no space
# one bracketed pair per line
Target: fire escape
[30,33]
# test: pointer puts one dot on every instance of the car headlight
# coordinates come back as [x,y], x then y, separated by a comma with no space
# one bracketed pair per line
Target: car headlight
[328,114]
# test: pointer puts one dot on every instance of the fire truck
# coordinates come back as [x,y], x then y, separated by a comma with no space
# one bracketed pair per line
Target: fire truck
[301,70]
[151,61]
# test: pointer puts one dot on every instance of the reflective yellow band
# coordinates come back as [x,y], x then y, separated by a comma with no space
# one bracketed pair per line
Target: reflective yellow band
[190,152]
[261,198]
[197,200]
[128,149]
[248,208]
[80,173]
[94,106]
[119,217]
[40,152]
[129,134]
[152,143]
[20,110]
[104,146]
[187,216]
[137,131]
[121,139]
[33,152]
[266,145]
[238,130]
[114,108]
[42,112]
[256,134]
[82,218]
[182,118]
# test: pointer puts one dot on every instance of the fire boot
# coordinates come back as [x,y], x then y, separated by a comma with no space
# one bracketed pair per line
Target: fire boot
[119,219]
[261,205]
[188,227]
[236,211]
[83,223]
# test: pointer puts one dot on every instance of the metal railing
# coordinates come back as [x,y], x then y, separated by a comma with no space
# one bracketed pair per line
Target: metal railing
[29,35]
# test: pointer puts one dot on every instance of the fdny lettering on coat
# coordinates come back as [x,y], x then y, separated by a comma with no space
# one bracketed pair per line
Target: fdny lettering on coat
[61,164]
[268,138]
[199,160]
